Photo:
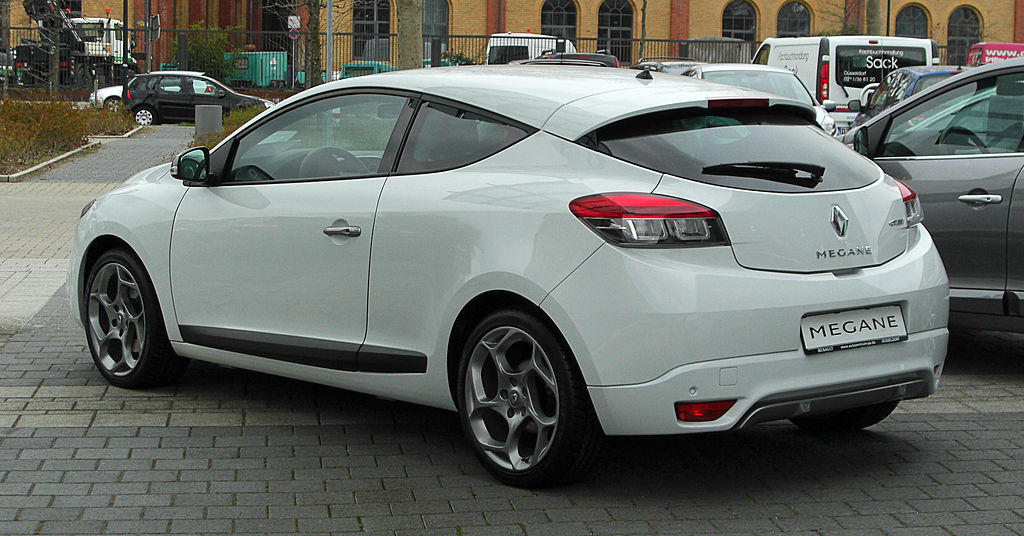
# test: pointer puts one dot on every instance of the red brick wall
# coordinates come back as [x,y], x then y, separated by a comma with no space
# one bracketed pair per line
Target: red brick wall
[495,16]
[1018,21]
[679,22]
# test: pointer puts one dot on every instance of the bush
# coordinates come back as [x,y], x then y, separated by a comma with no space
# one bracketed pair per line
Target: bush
[36,131]
[232,120]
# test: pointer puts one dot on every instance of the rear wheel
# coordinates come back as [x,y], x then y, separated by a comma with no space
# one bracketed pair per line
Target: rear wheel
[124,325]
[144,115]
[849,420]
[522,403]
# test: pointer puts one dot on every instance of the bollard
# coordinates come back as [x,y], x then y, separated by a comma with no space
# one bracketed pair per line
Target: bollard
[209,119]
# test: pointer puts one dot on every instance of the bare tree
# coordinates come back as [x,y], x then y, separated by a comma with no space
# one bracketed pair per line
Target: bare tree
[410,34]
[643,27]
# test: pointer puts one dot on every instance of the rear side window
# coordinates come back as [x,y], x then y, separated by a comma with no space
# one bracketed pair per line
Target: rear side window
[171,84]
[764,150]
[446,137]
[762,55]
[858,66]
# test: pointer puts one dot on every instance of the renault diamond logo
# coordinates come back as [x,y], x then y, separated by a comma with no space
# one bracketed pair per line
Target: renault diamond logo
[839,221]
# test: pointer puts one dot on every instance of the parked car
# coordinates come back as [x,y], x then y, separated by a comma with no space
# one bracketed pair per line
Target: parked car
[668,65]
[898,85]
[555,254]
[173,96]
[774,80]
[837,67]
[989,52]
[959,145]
[107,97]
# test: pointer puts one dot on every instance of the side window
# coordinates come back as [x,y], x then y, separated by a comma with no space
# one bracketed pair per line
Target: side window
[337,137]
[446,137]
[170,84]
[202,87]
[762,55]
[986,116]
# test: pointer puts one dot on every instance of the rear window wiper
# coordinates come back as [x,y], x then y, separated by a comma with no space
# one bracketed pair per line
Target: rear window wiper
[806,175]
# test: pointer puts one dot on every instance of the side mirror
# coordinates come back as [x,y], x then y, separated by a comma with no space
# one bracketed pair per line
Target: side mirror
[853,105]
[191,166]
[829,105]
[860,141]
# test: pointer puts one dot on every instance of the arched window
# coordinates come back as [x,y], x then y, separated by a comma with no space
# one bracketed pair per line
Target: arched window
[615,29]
[558,18]
[794,20]
[912,21]
[963,31]
[435,18]
[371,28]
[739,21]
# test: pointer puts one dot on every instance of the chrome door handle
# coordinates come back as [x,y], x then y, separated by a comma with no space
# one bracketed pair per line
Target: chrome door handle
[984,199]
[351,231]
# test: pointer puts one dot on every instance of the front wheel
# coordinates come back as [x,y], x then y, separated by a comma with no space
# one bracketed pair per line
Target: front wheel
[849,420]
[522,403]
[124,325]
[112,104]
[144,115]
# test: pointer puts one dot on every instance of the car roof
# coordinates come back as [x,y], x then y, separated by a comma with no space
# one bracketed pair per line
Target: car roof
[569,101]
[924,70]
[742,67]
[182,73]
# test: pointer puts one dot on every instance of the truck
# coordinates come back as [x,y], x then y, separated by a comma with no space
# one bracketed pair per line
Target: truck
[90,48]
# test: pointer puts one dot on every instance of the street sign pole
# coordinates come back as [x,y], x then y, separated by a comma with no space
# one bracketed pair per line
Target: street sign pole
[330,38]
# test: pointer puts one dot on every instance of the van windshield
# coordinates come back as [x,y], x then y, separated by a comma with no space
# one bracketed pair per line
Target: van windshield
[858,66]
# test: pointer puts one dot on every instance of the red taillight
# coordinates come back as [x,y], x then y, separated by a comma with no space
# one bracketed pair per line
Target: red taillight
[127,93]
[637,219]
[738,103]
[823,83]
[702,411]
[911,203]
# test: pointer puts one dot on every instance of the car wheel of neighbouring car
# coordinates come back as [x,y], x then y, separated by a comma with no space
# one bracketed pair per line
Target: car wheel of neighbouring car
[523,404]
[124,325]
[848,420]
[144,115]
[112,104]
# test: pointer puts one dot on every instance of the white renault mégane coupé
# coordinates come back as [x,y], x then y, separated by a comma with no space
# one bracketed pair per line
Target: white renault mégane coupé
[554,253]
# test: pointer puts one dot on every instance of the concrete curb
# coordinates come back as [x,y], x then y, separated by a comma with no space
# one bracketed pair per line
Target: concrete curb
[125,135]
[21,175]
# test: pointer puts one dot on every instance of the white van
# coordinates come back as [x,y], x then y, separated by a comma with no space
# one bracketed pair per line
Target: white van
[509,47]
[837,67]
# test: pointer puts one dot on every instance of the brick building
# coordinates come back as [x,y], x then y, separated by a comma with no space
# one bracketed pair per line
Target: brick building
[956,22]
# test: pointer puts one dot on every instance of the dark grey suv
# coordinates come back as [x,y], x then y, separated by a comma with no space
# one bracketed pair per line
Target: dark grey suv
[960,146]
[172,96]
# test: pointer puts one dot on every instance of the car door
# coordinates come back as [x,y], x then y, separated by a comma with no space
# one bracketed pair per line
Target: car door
[206,92]
[173,99]
[961,151]
[273,261]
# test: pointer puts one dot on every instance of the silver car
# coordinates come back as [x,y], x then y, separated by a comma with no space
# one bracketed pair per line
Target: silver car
[960,146]
[774,80]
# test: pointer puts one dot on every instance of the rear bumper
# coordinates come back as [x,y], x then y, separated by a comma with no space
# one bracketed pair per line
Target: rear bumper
[775,386]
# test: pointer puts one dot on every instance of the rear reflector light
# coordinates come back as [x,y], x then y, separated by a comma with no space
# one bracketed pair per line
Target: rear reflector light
[823,83]
[636,220]
[702,411]
[912,204]
[738,103]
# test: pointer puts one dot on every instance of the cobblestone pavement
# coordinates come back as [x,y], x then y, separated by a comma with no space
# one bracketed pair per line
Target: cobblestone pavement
[38,215]
[227,450]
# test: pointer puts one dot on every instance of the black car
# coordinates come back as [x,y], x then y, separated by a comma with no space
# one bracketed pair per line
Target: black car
[173,96]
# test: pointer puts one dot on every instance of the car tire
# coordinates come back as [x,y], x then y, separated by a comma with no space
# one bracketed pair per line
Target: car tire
[124,325]
[522,403]
[849,420]
[144,115]
[112,103]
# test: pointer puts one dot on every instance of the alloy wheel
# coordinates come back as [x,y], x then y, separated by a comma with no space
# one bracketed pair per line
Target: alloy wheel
[117,319]
[511,398]
[144,116]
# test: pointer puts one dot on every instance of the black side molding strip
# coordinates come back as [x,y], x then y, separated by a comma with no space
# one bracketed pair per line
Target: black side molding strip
[307,351]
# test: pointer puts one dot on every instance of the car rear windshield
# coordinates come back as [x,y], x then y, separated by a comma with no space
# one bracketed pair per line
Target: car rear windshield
[858,66]
[750,149]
